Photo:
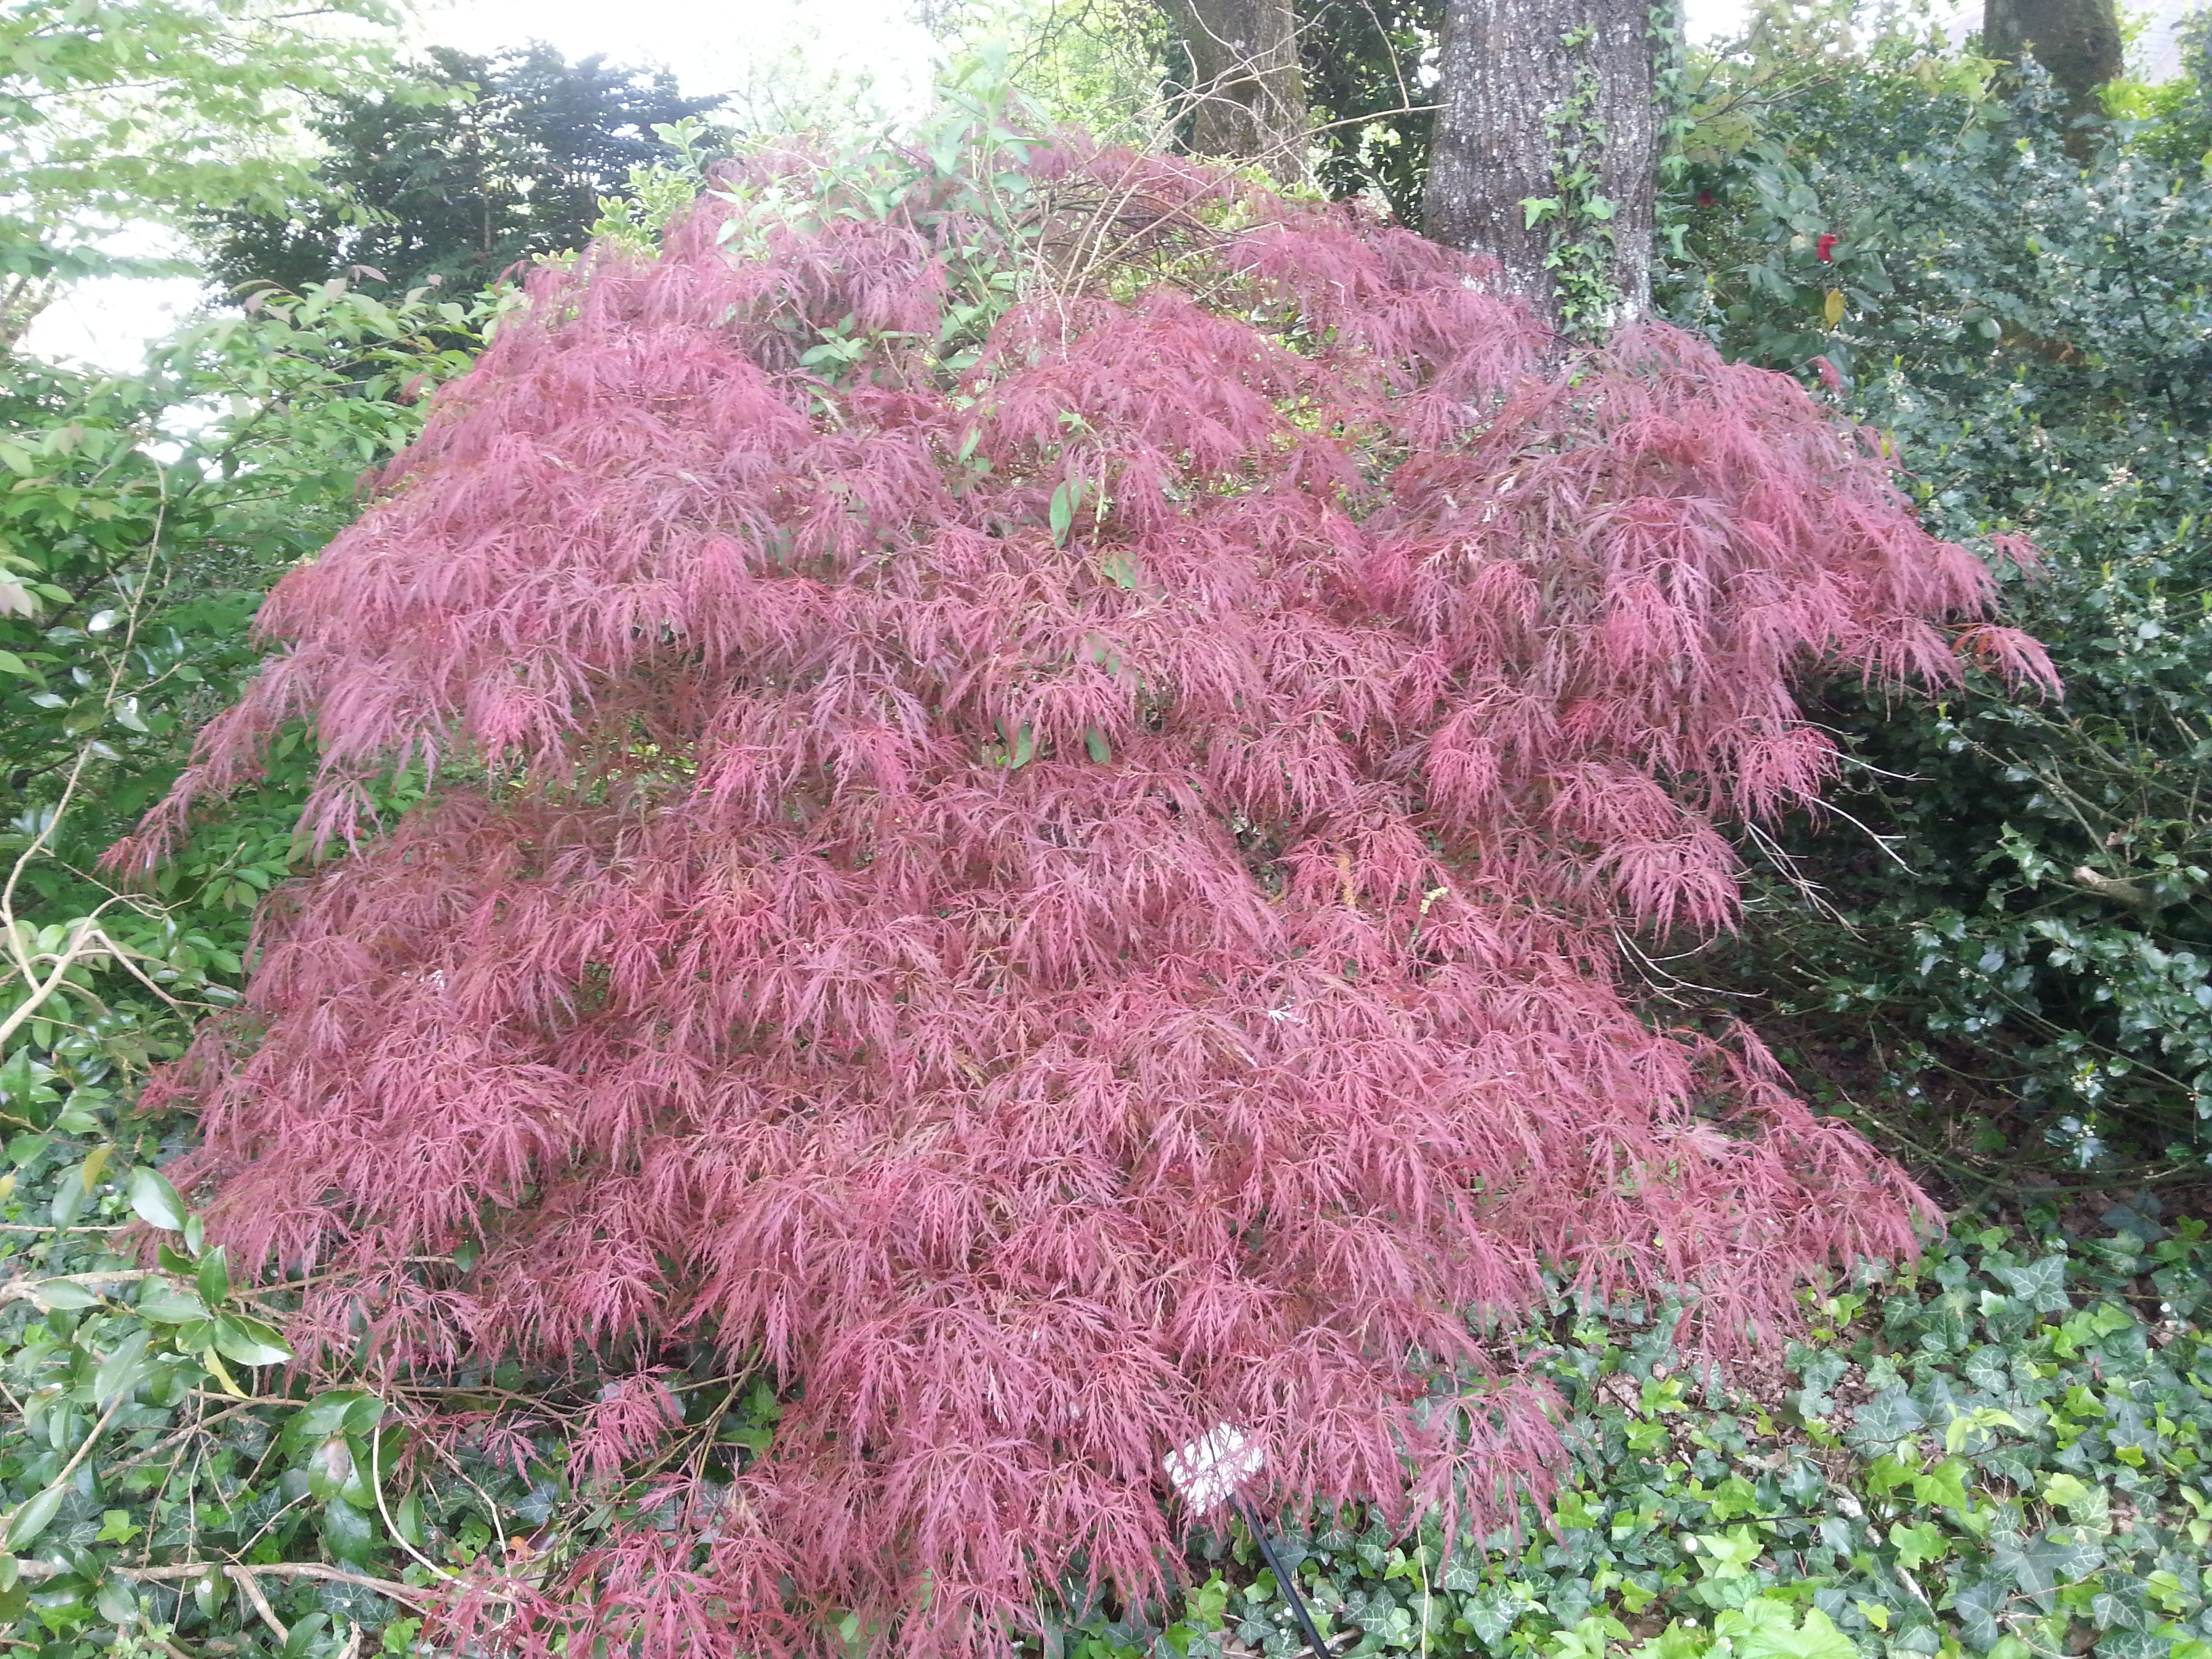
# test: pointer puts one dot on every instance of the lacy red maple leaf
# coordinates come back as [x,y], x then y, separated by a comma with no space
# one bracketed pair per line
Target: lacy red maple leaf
[1062,900]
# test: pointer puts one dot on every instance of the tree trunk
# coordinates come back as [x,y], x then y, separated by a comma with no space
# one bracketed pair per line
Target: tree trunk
[1248,89]
[2076,41]
[1550,113]
[21,299]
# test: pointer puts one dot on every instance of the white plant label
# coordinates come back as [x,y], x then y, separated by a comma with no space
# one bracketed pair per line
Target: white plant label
[1208,1470]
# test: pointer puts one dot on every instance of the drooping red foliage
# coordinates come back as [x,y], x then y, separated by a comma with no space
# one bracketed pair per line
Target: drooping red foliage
[1061,901]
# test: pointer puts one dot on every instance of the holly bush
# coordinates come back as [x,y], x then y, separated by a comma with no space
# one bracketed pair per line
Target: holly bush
[2000,945]
[145,517]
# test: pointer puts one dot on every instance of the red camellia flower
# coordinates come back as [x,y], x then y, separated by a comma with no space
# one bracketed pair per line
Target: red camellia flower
[1828,247]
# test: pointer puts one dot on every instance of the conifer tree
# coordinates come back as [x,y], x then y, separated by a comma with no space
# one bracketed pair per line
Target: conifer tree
[509,163]
[1040,769]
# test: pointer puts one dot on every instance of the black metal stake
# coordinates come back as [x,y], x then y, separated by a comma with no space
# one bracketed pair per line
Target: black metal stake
[1274,1565]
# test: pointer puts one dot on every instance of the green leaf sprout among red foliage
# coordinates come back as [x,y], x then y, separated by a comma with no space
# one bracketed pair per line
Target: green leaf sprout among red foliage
[1041,765]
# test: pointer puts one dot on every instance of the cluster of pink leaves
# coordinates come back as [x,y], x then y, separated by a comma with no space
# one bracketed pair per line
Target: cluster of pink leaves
[1046,982]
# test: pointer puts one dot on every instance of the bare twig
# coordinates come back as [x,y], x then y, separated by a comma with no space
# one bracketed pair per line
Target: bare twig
[244,1578]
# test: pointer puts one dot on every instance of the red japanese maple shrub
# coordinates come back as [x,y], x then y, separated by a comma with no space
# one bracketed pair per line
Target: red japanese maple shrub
[1039,782]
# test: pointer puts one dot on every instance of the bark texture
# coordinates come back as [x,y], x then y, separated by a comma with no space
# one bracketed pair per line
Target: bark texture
[1512,71]
[1249,92]
[2078,41]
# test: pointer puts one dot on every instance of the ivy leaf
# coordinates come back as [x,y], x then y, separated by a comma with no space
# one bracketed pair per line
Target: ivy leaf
[2088,1505]
[1887,1419]
[1945,1485]
[2142,1645]
[2119,1604]
[1918,1545]
[2041,1284]
[116,1527]
[1679,1640]
[1588,1639]
[1491,1614]
[1463,1576]
[1977,1606]
[2038,1566]
[1730,1554]
[1761,1613]
[1818,1639]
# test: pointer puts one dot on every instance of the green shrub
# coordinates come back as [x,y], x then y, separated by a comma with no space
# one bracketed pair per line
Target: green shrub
[2005,944]
[144,518]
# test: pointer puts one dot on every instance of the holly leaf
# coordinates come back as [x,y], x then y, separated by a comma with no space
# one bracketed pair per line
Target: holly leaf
[155,1200]
[31,1519]
[165,1303]
[59,1294]
[214,1278]
[351,1533]
[249,1342]
[119,1373]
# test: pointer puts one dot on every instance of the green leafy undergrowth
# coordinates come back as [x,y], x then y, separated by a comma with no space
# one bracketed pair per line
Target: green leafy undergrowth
[1999,1452]
[166,1483]
[170,1483]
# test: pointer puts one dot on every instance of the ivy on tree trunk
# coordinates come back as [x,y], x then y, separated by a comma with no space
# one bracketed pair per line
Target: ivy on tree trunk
[1547,150]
